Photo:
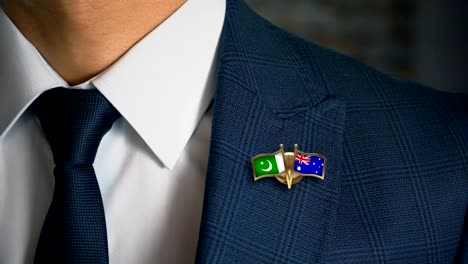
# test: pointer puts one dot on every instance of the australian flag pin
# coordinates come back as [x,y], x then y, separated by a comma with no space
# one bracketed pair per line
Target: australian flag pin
[289,167]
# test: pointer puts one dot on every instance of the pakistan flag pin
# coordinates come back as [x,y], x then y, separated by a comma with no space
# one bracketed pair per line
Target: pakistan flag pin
[289,167]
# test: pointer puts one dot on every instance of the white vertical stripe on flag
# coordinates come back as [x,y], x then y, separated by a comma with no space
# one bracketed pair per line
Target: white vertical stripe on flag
[279,162]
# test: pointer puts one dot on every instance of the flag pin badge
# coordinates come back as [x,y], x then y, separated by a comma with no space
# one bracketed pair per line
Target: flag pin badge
[289,167]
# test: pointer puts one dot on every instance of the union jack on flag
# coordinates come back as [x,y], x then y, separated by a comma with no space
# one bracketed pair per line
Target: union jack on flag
[301,158]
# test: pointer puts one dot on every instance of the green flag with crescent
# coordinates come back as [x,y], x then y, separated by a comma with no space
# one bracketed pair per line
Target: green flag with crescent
[268,164]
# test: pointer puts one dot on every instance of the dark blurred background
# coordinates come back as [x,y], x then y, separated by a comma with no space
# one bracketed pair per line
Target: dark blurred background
[423,40]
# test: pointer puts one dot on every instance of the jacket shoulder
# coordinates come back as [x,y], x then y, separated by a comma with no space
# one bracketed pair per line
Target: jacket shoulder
[347,78]
[287,70]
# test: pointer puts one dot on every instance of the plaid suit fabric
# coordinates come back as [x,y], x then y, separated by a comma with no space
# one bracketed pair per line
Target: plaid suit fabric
[395,189]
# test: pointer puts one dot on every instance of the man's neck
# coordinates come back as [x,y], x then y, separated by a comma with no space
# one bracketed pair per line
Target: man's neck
[80,39]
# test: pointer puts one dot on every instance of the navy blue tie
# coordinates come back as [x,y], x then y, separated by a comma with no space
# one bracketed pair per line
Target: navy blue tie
[74,122]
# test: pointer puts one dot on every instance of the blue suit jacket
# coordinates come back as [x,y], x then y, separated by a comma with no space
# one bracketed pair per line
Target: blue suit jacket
[396,186]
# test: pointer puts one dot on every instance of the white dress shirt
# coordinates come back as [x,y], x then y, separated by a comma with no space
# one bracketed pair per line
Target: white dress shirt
[150,166]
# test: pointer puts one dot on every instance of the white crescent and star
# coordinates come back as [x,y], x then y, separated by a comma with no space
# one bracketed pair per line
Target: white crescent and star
[270,166]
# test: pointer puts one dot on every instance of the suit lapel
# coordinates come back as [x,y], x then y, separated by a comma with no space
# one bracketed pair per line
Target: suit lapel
[264,98]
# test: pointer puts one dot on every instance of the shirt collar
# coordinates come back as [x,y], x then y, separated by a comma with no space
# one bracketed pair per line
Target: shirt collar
[162,86]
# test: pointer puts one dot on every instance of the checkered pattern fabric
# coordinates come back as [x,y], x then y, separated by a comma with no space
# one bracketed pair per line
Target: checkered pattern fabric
[74,122]
[396,184]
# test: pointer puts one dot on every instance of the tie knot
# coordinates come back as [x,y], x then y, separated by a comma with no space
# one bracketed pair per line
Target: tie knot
[74,122]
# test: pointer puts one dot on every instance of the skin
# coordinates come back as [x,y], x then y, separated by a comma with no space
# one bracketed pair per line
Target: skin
[81,38]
